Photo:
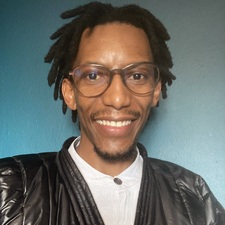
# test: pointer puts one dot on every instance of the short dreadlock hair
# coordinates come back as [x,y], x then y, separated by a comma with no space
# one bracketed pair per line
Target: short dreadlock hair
[64,51]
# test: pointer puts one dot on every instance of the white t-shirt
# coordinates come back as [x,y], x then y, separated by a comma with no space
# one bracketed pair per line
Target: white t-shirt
[115,197]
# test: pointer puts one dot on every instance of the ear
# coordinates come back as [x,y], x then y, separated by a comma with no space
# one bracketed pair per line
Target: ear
[156,94]
[68,94]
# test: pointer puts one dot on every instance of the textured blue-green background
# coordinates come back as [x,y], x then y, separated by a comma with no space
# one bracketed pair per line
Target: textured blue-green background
[188,128]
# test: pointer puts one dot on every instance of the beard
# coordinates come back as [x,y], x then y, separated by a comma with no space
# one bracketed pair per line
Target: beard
[123,156]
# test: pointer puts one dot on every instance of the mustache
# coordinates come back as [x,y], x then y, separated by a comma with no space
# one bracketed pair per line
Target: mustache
[104,112]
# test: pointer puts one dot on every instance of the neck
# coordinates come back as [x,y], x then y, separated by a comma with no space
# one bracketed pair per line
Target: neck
[111,167]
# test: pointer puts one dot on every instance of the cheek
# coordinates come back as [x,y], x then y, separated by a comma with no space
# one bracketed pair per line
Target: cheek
[147,114]
[145,105]
[80,103]
[84,107]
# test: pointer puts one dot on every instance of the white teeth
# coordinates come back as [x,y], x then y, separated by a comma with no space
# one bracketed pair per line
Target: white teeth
[114,123]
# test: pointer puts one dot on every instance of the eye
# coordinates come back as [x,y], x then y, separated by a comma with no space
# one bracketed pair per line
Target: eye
[92,76]
[137,76]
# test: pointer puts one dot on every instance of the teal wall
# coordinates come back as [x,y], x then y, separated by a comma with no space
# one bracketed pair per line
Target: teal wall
[188,128]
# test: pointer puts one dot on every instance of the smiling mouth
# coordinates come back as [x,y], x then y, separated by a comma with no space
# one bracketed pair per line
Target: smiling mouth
[114,123]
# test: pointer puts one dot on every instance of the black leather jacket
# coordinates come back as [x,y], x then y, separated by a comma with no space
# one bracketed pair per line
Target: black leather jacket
[48,189]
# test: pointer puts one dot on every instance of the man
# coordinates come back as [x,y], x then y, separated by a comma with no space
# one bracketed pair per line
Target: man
[109,66]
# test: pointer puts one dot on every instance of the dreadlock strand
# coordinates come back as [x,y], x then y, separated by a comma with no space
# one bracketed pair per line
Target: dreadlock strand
[159,28]
[164,91]
[51,53]
[89,8]
[61,31]
[64,107]
[74,116]
[172,77]
[52,75]
[58,86]
[73,12]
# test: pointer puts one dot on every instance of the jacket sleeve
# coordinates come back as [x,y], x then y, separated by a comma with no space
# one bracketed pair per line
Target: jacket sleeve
[201,205]
[214,211]
[11,192]
[25,189]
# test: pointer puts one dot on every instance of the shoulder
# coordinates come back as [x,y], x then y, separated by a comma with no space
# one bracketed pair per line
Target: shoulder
[23,167]
[17,177]
[194,191]
[166,174]
[182,177]
[21,164]
[171,169]
[185,181]
[172,173]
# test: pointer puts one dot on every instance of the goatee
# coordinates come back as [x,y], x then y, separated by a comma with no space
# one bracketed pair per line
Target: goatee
[122,156]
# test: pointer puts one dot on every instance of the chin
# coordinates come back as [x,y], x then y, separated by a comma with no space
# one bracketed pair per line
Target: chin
[119,156]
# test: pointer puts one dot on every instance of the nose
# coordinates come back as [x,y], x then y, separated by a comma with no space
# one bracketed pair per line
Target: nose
[117,95]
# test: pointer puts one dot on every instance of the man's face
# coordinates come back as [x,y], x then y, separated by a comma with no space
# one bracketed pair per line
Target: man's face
[112,121]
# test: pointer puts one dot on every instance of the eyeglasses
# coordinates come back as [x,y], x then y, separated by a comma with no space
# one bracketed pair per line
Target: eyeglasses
[92,80]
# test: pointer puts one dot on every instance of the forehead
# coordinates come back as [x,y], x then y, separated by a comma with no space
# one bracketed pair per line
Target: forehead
[114,39]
